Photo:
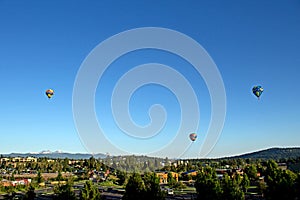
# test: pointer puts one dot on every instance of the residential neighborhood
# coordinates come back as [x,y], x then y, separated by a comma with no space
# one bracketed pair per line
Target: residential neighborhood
[176,178]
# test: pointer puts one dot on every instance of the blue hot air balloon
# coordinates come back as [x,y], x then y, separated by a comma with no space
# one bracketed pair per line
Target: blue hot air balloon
[257,90]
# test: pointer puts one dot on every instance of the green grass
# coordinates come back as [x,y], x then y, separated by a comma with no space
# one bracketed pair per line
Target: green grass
[252,190]
[107,183]
[187,190]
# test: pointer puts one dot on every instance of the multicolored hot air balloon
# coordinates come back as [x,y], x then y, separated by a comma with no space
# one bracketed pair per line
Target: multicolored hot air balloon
[193,136]
[257,91]
[49,93]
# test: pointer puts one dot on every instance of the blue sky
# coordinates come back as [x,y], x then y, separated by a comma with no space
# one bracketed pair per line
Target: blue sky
[43,44]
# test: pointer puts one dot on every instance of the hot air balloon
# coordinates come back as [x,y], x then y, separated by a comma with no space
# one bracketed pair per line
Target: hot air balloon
[193,136]
[257,91]
[49,93]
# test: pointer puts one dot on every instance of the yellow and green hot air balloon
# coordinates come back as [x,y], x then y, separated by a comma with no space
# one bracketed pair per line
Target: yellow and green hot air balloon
[49,93]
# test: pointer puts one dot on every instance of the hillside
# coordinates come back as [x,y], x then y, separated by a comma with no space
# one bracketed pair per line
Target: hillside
[272,153]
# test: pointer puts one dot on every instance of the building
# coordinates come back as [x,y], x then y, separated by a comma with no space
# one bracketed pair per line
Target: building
[27,159]
[21,182]
[7,183]
[190,172]
[163,176]
[4,160]
[282,166]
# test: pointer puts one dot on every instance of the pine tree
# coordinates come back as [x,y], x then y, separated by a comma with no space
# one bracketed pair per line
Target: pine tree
[90,192]
[152,187]
[230,189]
[135,188]
[207,185]
[63,192]
[30,194]
[245,183]
[39,177]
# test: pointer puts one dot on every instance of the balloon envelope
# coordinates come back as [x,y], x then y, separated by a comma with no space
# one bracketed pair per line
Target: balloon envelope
[193,136]
[49,93]
[257,90]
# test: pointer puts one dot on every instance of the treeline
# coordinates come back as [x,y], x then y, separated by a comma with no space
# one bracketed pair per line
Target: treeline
[270,181]
[135,163]
[277,183]
[292,164]
[46,165]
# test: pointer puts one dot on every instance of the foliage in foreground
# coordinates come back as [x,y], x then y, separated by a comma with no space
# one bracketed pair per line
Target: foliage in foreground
[143,188]
[63,192]
[90,192]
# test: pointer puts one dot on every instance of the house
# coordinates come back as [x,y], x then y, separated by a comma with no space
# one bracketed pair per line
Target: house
[21,182]
[163,176]
[7,183]
[237,171]
[190,172]
[221,172]
[4,160]
[73,162]
[282,166]
[27,159]
[31,159]
[58,182]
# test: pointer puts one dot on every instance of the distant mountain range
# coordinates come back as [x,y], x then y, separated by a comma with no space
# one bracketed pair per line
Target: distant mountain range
[56,154]
[272,153]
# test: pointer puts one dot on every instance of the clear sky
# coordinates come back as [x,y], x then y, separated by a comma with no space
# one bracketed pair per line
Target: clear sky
[43,45]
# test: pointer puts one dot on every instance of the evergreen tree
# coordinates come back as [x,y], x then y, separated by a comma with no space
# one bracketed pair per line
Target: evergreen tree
[152,187]
[121,177]
[245,183]
[207,185]
[12,178]
[63,192]
[92,163]
[280,183]
[231,189]
[135,188]
[39,177]
[59,176]
[65,165]
[251,172]
[171,180]
[297,186]
[90,192]
[30,194]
